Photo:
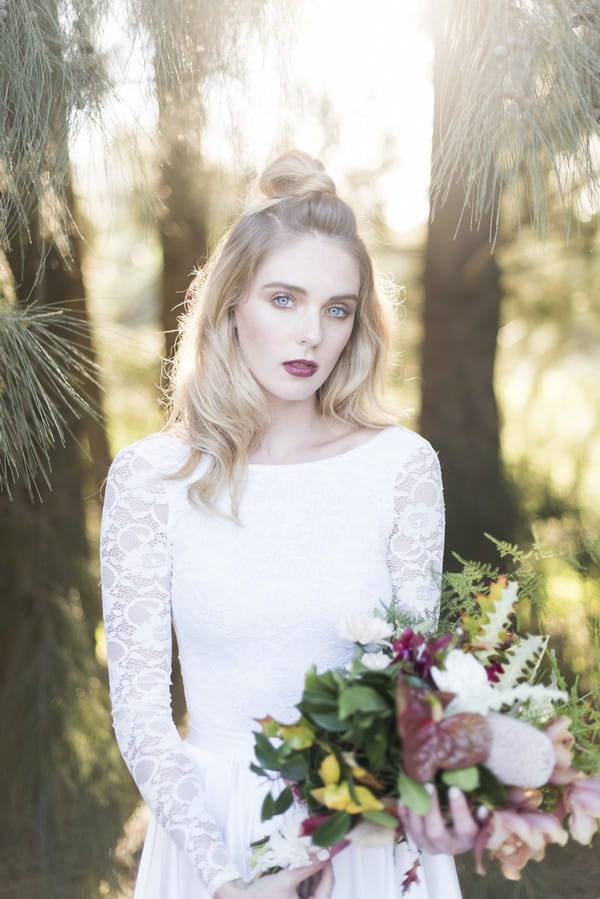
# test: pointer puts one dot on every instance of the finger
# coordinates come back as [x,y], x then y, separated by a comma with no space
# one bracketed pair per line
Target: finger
[434,826]
[297,875]
[414,826]
[326,883]
[462,820]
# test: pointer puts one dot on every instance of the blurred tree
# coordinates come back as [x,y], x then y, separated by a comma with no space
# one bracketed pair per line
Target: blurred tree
[517,90]
[461,312]
[520,90]
[64,793]
[190,43]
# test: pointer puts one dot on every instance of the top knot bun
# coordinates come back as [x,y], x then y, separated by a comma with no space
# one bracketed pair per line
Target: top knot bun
[295,174]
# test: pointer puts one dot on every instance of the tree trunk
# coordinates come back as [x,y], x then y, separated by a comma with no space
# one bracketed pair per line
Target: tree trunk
[459,414]
[183,227]
[64,788]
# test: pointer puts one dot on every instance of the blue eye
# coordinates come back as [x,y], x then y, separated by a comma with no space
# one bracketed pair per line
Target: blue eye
[283,300]
[338,311]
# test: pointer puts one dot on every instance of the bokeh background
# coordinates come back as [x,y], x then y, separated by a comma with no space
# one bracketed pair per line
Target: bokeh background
[130,132]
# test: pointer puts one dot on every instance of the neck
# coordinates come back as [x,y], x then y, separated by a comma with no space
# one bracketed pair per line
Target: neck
[293,428]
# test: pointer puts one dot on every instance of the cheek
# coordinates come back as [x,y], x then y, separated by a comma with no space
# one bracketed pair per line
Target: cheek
[249,331]
[341,340]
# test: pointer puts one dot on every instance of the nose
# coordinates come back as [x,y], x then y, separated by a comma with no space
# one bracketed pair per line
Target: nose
[310,331]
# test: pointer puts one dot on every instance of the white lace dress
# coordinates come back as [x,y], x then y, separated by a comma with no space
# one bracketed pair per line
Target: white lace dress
[253,606]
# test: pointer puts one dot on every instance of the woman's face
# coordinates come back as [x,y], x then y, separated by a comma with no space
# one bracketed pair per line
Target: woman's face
[297,316]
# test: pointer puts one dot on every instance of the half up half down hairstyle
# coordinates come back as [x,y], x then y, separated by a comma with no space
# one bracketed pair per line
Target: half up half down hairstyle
[215,404]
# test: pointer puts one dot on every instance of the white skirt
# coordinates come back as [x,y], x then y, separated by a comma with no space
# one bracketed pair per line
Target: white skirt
[234,796]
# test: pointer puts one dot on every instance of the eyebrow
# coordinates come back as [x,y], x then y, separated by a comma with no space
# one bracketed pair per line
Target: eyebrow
[294,288]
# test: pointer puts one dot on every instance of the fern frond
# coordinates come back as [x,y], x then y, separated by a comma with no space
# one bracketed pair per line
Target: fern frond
[523,660]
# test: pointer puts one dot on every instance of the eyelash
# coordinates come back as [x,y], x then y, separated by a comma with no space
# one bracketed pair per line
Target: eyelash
[284,296]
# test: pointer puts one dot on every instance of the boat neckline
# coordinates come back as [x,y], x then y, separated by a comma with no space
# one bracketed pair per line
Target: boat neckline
[259,466]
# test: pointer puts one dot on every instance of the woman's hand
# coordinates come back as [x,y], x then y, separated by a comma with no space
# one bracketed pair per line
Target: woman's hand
[283,885]
[434,834]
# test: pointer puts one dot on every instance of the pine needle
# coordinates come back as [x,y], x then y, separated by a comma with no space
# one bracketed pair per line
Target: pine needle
[521,107]
[43,379]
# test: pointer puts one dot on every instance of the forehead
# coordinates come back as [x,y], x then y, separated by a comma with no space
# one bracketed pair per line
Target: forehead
[314,262]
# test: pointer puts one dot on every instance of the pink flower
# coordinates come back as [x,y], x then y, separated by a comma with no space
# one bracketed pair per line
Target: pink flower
[562,741]
[581,800]
[514,837]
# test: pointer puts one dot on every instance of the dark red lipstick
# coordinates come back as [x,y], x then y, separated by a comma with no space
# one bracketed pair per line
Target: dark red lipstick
[301,368]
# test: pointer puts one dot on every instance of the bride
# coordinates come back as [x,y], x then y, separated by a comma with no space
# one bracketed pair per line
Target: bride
[279,497]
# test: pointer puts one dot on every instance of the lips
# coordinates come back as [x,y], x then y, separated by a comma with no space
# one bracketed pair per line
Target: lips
[301,368]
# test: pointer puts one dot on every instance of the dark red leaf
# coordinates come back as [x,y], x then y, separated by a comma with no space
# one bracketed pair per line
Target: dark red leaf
[431,742]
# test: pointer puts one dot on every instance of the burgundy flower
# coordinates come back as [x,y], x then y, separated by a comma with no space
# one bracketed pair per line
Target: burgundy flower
[309,825]
[493,671]
[418,653]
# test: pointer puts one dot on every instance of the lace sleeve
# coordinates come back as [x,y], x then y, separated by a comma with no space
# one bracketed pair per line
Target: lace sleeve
[416,543]
[135,566]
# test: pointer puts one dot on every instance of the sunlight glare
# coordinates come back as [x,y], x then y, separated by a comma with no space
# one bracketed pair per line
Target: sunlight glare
[361,99]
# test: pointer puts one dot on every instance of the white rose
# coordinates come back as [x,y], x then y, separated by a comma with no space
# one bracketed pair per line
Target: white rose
[376,661]
[365,629]
[466,677]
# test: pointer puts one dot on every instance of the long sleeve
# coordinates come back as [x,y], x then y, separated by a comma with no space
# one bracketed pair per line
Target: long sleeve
[136,568]
[416,542]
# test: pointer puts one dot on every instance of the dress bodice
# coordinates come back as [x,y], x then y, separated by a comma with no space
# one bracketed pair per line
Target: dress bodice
[253,604]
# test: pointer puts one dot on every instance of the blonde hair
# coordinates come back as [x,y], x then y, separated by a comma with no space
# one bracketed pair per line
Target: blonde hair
[215,404]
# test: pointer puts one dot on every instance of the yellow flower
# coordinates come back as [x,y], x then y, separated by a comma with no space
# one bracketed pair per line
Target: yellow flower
[366,802]
[337,796]
[365,777]
[330,770]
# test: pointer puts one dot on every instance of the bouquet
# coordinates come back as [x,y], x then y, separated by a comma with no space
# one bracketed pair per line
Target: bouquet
[479,708]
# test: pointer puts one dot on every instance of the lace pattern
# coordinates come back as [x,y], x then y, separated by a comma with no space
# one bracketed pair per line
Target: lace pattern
[416,544]
[319,541]
[136,582]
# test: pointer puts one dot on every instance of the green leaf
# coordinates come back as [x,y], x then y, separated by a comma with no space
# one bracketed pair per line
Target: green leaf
[295,768]
[376,750]
[491,789]
[329,720]
[333,830]
[297,736]
[466,779]
[413,794]
[268,808]
[269,726]
[384,819]
[265,753]
[361,699]
[283,801]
